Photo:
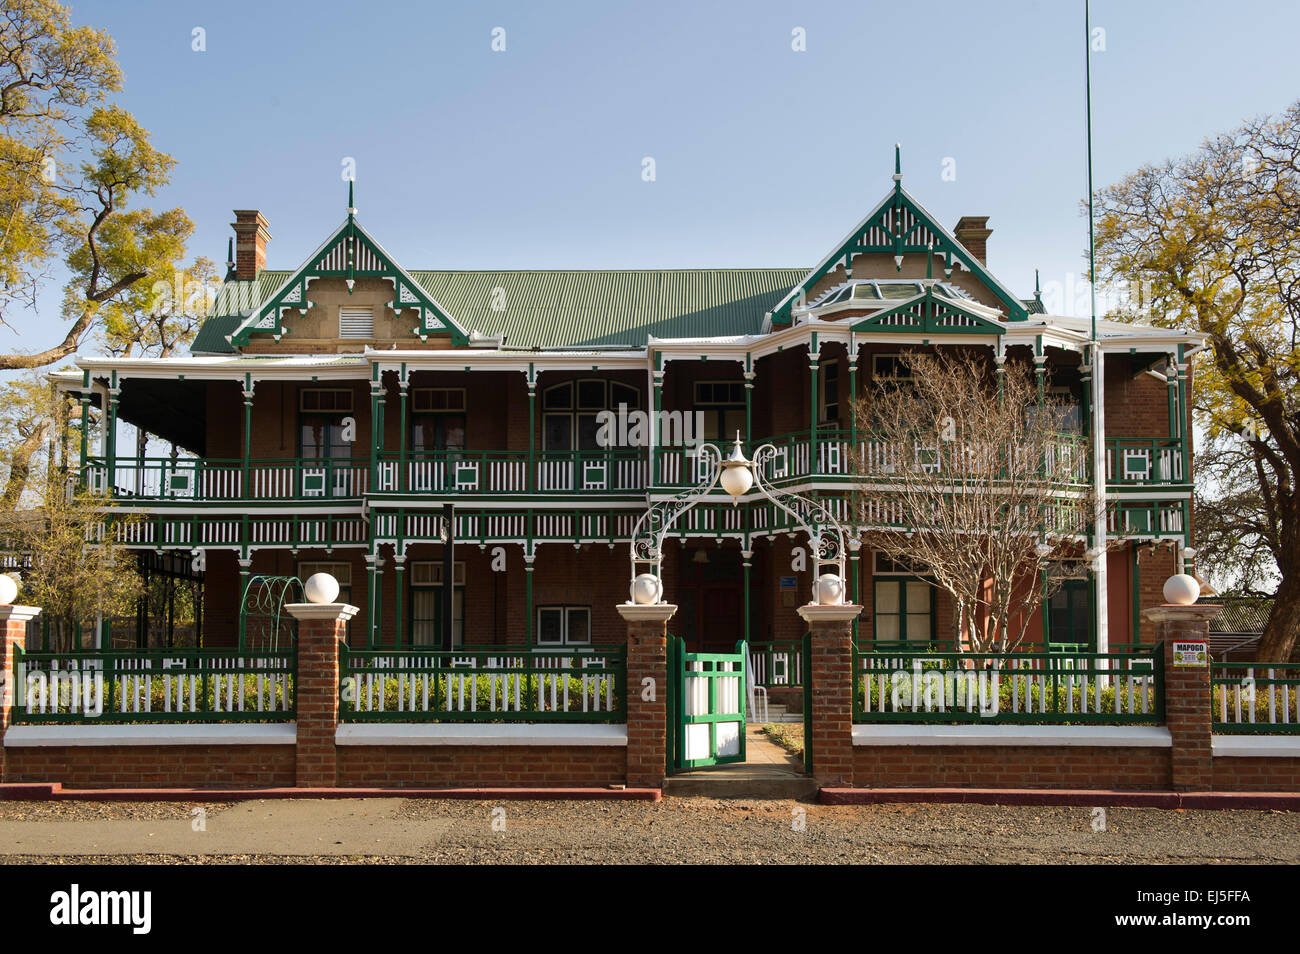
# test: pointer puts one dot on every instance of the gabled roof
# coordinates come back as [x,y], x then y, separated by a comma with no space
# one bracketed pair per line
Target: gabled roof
[898,226]
[350,253]
[563,309]
[931,312]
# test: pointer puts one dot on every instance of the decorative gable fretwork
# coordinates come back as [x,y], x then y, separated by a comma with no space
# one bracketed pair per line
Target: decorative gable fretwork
[350,253]
[899,226]
[930,313]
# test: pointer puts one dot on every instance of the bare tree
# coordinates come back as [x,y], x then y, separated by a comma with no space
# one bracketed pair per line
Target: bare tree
[976,482]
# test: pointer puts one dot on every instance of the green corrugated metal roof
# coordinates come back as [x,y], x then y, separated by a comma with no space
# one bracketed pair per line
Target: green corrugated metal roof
[235,299]
[553,309]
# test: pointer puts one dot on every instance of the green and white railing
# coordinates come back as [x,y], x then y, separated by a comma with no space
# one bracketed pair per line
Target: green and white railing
[1255,698]
[154,685]
[994,688]
[776,664]
[503,685]
[1143,460]
[1146,518]
[839,454]
[189,478]
[514,472]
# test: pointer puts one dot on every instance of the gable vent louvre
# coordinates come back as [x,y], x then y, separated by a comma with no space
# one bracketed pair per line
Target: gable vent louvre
[356,323]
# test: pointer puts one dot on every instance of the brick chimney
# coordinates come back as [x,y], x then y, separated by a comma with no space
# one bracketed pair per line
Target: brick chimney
[251,236]
[973,233]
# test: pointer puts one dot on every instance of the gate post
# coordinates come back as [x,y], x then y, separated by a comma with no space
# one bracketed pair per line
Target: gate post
[647,692]
[13,640]
[321,627]
[830,673]
[1187,701]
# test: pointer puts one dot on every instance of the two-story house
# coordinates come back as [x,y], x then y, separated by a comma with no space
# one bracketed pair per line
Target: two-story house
[329,412]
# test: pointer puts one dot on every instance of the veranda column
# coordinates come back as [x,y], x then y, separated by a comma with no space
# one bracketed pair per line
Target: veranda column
[750,375]
[656,434]
[110,435]
[1101,591]
[244,470]
[1187,694]
[647,692]
[321,627]
[13,621]
[831,673]
[532,430]
[814,356]
[403,387]
[245,574]
[529,557]
[85,429]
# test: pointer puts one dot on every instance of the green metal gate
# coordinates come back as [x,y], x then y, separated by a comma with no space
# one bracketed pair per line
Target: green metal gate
[706,706]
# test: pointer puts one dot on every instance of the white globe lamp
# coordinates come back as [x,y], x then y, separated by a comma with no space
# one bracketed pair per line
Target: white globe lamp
[829,590]
[736,477]
[1182,589]
[647,589]
[8,589]
[321,588]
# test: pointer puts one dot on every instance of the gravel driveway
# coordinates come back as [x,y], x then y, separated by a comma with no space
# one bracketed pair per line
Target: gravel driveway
[676,830]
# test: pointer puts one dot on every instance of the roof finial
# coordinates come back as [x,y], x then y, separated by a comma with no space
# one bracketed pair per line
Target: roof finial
[352,210]
[1038,292]
[230,258]
[898,165]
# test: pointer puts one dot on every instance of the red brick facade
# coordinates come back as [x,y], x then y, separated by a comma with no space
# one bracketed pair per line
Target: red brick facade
[1000,766]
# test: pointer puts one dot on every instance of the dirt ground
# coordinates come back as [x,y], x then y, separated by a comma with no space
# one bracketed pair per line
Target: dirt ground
[676,830]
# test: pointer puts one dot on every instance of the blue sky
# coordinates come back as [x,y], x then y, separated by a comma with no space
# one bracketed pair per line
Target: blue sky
[532,157]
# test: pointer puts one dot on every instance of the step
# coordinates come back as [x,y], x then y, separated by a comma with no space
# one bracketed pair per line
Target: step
[721,783]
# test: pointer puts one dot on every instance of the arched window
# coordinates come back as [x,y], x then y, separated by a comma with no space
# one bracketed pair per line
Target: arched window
[570,411]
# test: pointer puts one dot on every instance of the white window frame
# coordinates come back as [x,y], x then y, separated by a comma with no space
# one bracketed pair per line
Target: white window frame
[573,411]
[822,417]
[566,611]
[435,583]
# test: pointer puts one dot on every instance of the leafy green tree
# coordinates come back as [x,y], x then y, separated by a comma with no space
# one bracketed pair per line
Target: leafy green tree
[72,165]
[32,418]
[1211,241]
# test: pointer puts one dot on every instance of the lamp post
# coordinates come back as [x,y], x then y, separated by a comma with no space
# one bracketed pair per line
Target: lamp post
[738,476]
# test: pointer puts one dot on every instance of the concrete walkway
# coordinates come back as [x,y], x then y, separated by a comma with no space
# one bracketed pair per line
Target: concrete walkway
[760,750]
[768,771]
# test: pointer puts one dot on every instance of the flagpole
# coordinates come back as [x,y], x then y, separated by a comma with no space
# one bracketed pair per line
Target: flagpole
[1087,83]
[1101,610]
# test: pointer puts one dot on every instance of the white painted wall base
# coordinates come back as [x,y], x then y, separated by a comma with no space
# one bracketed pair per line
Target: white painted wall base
[1267,746]
[1135,736]
[32,736]
[496,733]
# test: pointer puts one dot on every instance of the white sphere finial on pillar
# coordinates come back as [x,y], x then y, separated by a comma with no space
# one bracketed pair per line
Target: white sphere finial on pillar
[8,589]
[647,589]
[829,590]
[321,588]
[1182,589]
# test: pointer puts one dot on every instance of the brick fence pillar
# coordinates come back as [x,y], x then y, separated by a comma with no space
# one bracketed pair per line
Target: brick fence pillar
[321,626]
[831,673]
[647,711]
[13,622]
[1187,694]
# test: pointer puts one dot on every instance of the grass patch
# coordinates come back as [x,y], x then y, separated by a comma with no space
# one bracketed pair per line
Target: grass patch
[788,735]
